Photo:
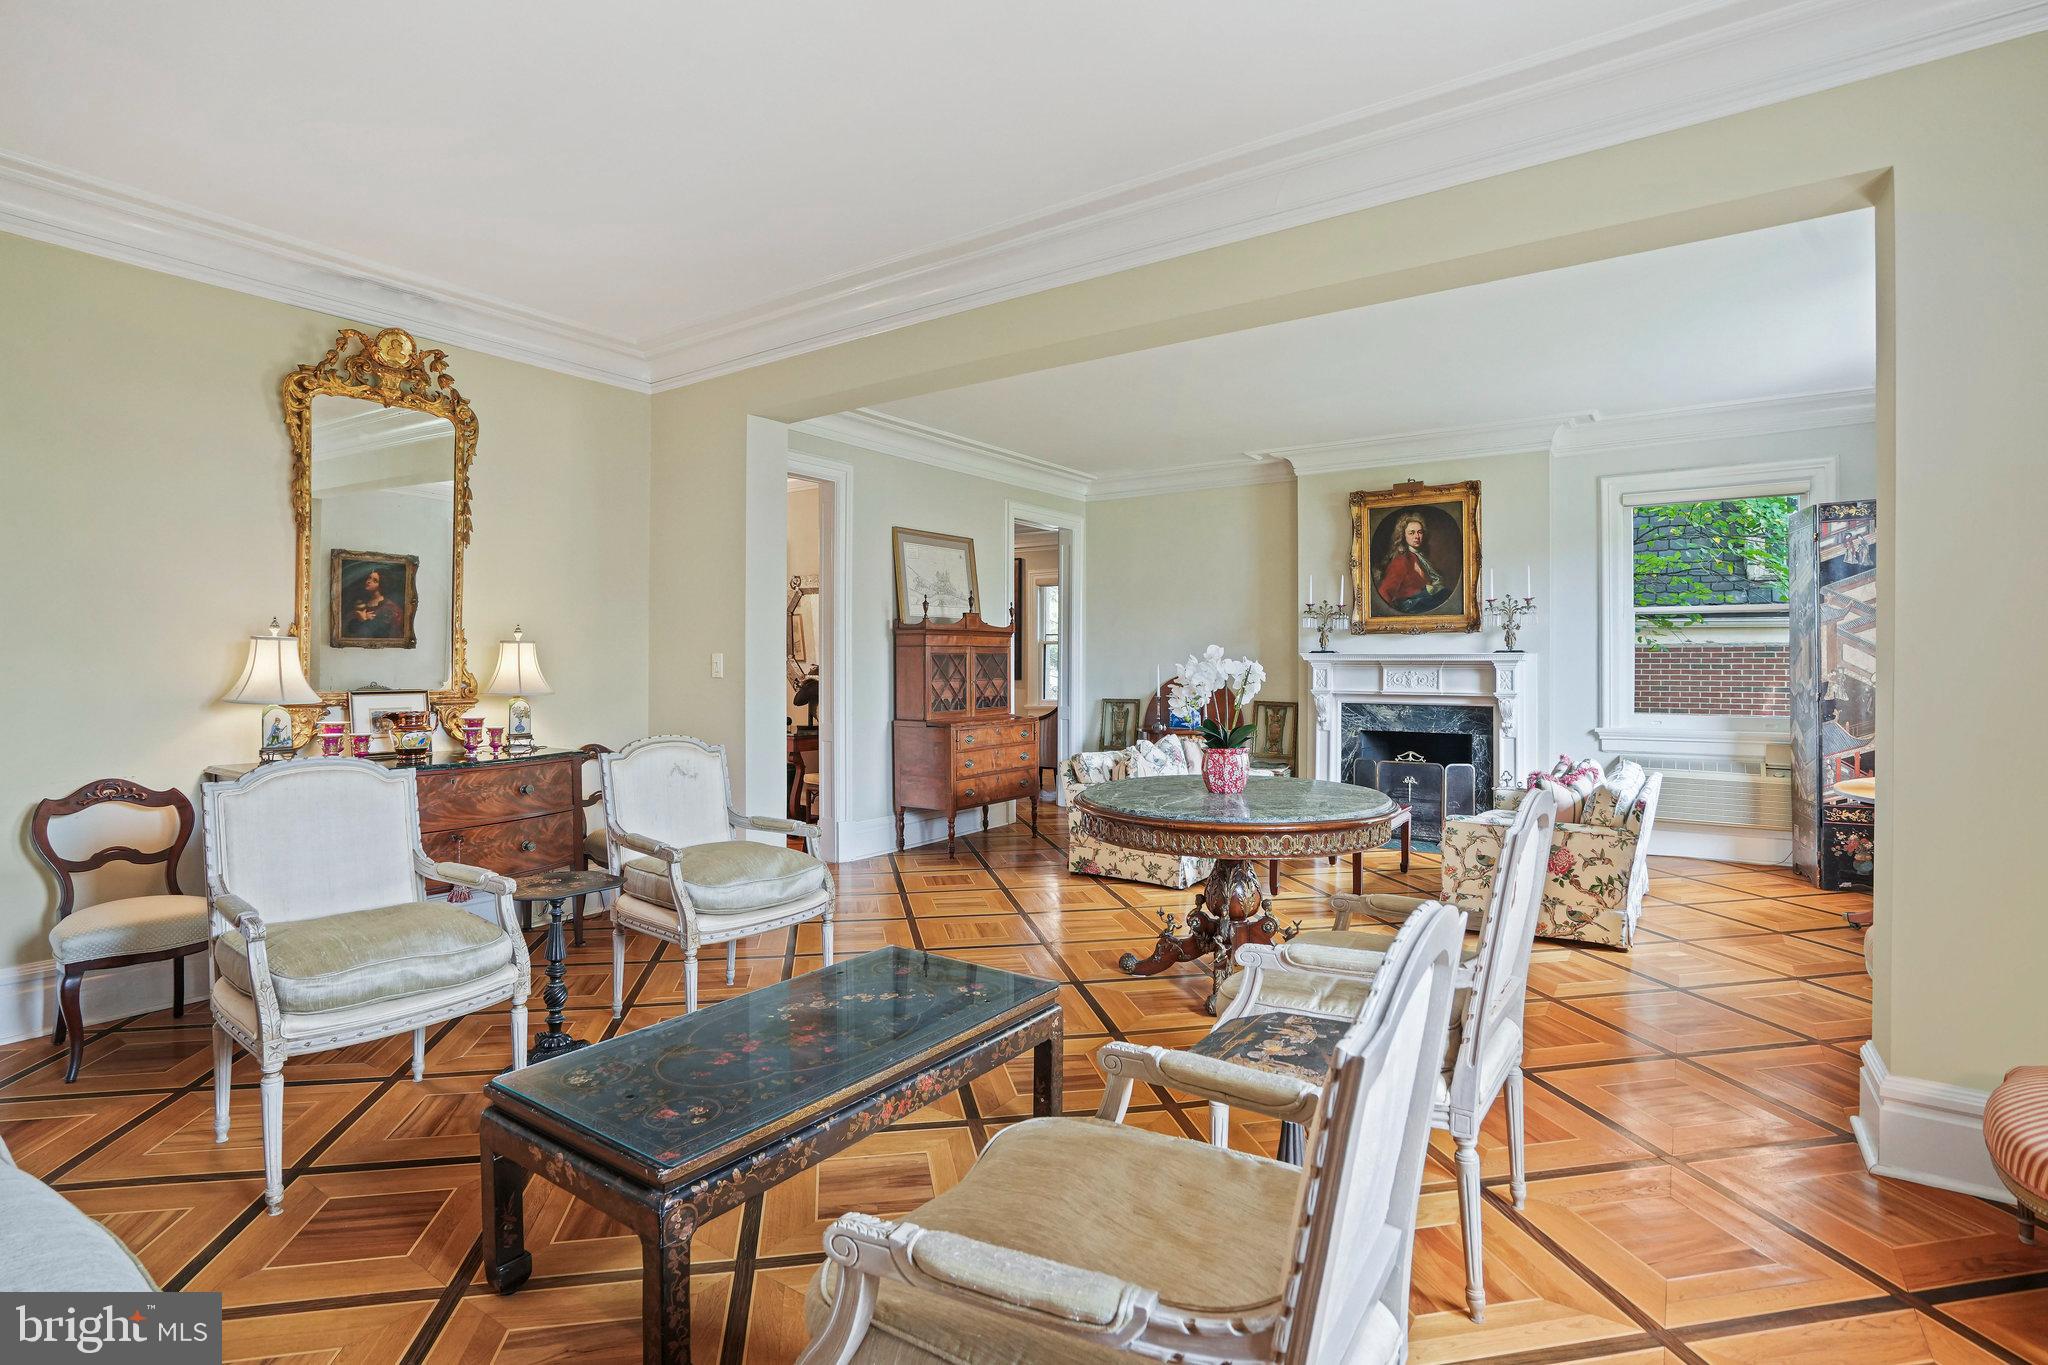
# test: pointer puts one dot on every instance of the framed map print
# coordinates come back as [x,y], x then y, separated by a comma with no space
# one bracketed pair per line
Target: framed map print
[934,575]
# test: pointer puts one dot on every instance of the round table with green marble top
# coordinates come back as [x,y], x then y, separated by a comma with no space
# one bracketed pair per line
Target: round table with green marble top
[1278,817]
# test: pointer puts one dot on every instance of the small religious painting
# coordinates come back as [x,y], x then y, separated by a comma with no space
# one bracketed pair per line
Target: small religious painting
[934,576]
[1273,731]
[372,599]
[1119,722]
[1415,558]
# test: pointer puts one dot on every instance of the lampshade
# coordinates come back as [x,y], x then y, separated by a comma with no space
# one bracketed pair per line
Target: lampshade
[518,673]
[272,677]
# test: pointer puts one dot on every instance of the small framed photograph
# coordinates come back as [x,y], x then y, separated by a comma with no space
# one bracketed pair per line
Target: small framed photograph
[1120,722]
[372,599]
[1273,731]
[367,709]
[934,575]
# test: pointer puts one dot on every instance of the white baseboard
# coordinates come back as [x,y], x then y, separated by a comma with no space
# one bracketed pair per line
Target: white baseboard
[859,839]
[1722,843]
[1928,1132]
[28,995]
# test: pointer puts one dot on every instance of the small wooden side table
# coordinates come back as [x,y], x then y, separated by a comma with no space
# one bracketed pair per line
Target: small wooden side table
[558,888]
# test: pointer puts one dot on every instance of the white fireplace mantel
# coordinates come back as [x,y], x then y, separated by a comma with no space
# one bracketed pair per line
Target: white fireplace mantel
[1504,682]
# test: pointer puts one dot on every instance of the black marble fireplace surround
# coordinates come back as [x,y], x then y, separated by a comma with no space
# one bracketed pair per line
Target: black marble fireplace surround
[1371,731]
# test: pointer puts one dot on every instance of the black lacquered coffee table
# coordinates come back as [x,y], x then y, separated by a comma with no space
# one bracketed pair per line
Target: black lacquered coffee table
[667,1127]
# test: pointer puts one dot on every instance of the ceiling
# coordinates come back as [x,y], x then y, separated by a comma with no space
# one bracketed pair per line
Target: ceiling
[1783,312]
[654,193]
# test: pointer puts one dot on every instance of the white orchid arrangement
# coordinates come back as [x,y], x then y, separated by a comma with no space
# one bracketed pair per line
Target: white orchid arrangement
[1209,675]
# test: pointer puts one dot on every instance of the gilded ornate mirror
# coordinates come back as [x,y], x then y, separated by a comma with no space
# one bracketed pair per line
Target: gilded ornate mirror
[381,448]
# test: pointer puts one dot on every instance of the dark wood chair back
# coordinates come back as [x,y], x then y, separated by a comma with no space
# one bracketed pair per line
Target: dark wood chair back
[109,789]
[595,796]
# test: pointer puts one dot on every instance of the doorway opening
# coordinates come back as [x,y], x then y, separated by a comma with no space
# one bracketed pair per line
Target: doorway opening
[806,647]
[1038,592]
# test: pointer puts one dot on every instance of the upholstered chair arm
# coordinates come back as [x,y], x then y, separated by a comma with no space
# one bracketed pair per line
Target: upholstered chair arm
[868,1251]
[775,824]
[640,843]
[1208,1078]
[229,910]
[243,917]
[463,874]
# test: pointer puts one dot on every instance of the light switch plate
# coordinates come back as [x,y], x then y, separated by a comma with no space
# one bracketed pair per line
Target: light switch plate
[718,665]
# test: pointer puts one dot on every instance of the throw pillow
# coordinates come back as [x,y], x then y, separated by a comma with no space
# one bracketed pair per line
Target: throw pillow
[1615,798]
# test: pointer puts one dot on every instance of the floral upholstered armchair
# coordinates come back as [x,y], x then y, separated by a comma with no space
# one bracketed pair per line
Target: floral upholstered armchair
[1599,853]
[1172,756]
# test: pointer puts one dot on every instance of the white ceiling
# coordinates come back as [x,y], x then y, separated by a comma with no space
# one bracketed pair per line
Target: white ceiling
[1763,315]
[651,193]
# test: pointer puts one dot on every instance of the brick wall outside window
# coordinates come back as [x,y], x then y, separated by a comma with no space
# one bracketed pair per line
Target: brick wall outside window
[1712,680]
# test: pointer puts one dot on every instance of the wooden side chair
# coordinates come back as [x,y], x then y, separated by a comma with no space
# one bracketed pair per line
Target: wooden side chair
[117,933]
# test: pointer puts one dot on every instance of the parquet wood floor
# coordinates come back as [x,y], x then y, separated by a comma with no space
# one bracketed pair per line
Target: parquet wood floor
[1694,1192]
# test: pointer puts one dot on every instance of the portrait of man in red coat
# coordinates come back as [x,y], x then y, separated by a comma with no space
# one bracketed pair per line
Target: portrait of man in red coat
[1405,579]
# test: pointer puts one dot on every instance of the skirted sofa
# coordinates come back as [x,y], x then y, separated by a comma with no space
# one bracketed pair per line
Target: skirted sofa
[48,1245]
[1172,756]
[1599,852]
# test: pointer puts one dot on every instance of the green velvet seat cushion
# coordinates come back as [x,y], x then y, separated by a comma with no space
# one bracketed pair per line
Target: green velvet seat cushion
[365,956]
[138,924]
[726,878]
[48,1245]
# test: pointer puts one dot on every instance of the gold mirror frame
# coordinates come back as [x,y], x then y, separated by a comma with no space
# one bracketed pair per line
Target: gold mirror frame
[388,368]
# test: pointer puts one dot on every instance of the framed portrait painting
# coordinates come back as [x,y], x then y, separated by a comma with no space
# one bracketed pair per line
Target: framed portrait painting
[1120,722]
[934,575]
[1415,558]
[1273,731]
[372,599]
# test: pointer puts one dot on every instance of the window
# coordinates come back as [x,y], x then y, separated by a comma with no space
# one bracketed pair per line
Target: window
[1048,641]
[1694,645]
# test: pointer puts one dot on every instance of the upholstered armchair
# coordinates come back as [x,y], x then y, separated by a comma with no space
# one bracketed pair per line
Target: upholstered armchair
[692,877]
[1599,865]
[323,935]
[1173,756]
[1268,1049]
[1071,1238]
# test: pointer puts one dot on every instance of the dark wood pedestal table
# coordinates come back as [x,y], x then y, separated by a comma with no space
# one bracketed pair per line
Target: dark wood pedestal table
[1274,817]
[669,1126]
[557,889]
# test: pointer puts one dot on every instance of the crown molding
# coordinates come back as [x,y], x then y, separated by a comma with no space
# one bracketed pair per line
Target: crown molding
[885,434]
[1719,421]
[1476,441]
[1242,472]
[1708,61]
[64,208]
[374,428]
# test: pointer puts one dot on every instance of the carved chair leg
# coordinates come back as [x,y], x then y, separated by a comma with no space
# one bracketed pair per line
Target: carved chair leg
[732,960]
[1518,1181]
[579,921]
[74,1021]
[177,988]
[1469,1207]
[618,970]
[1219,1125]
[419,1053]
[689,981]
[826,934]
[2027,1221]
[272,1087]
[223,1080]
[518,1035]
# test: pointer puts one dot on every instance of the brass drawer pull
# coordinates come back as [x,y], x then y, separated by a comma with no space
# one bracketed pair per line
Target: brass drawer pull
[526,789]
[969,792]
[967,738]
[966,762]
[526,845]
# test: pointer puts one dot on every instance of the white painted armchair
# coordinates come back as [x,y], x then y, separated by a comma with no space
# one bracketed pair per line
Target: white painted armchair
[692,877]
[322,933]
[1072,1238]
[1266,1052]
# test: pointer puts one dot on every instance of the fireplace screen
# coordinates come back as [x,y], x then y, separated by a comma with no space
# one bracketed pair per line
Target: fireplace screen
[1433,792]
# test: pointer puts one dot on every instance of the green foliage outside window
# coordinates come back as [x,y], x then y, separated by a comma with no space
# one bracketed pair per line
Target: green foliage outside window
[1728,552]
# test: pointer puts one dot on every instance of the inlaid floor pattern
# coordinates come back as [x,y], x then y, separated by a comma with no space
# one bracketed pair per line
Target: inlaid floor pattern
[1695,1193]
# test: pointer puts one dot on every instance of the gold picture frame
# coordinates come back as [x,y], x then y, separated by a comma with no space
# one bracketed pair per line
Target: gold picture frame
[935,575]
[347,571]
[1428,578]
[391,369]
[1273,727]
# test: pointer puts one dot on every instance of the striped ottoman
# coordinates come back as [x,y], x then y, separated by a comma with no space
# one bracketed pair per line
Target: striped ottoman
[2016,1131]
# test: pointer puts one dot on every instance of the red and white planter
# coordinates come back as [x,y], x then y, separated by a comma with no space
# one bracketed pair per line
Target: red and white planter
[1224,770]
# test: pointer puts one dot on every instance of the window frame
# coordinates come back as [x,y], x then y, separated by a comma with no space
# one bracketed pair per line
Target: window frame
[1621,727]
[1039,583]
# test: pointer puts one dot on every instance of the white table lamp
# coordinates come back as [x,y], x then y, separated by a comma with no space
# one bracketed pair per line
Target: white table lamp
[518,676]
[273,680]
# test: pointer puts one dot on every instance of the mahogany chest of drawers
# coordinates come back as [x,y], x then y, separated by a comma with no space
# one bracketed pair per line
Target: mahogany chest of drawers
[514,815]
[959,743]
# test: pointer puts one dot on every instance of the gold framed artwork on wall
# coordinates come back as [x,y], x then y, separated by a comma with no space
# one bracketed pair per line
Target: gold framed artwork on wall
[373,600]
[935,575]
[1415,559]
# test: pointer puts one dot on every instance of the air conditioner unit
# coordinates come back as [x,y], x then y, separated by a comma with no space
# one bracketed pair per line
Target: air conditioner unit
[1715,791]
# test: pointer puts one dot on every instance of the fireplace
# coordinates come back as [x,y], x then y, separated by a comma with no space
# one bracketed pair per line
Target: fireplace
[1372,731]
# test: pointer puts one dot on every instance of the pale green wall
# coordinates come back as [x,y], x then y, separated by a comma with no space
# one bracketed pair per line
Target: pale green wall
[145,532]
[1948,153]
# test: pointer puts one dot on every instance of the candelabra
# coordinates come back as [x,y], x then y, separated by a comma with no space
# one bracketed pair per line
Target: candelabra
[1325,615]
[1508,612]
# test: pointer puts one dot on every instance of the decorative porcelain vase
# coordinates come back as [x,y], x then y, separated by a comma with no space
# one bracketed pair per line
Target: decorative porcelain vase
[1224,770]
